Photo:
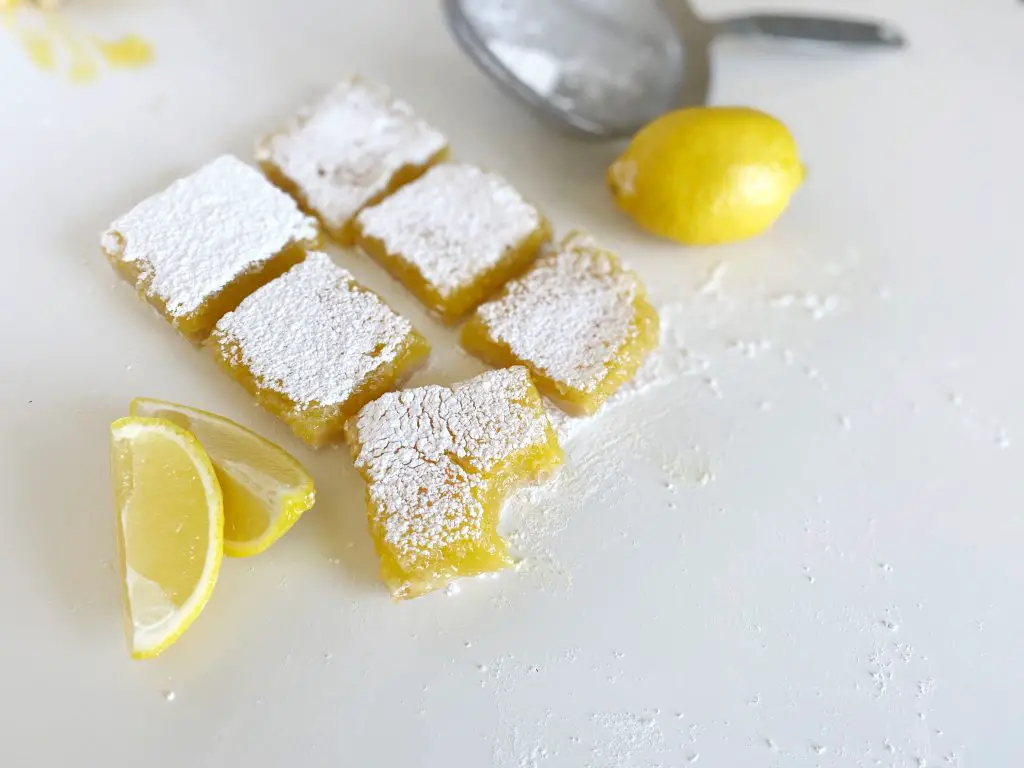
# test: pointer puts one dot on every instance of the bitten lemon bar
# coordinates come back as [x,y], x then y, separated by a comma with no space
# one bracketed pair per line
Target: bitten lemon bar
[453,237]
[354,147]
[438,463]
[195,250]
[313,347]
[578,320]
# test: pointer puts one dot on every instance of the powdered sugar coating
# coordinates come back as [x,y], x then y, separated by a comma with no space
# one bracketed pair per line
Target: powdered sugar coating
[313,334]
[343,152]
[569,315]
[206,230]
[423,452]
[453,225]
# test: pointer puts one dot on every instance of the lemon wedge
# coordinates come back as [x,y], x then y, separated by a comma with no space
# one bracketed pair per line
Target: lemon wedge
[170,525]
[265,489]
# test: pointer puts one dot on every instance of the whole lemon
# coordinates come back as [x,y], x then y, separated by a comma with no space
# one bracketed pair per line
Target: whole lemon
[707,175]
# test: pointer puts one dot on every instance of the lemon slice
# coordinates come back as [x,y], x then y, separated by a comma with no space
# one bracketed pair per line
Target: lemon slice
[170,524]
[265,489]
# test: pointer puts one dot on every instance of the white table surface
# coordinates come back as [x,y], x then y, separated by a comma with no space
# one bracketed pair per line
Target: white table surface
[804,551]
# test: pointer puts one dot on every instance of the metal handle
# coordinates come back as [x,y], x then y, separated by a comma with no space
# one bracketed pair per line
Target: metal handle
[835,31]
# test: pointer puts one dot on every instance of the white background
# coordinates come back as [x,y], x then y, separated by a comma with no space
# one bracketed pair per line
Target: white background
[803,551]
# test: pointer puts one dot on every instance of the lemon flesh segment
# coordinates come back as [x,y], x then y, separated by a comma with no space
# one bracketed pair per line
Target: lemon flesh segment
[708,175]
[170,523]
[265,489]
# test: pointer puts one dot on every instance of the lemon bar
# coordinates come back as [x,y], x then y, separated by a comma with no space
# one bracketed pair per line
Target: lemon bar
[453,237]
[354,147]
[438,463]
[313,347]
[195,250]
[578,320]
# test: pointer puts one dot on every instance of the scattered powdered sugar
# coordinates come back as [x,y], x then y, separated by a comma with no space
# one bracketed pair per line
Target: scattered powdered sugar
[896,674]
[712,285]
[818,307]
[600,740]
[313,334]
[978,425]
[425,452]
[751,349]
[453,225]
[344,151]
[569,316]
[204,231]
[626,737]
[536,515]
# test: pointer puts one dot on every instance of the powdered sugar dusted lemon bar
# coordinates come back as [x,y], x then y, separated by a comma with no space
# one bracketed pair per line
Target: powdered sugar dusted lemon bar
[453,237]
[195,250]
[352,148]
[438,463]
[579,320]
[313,347]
